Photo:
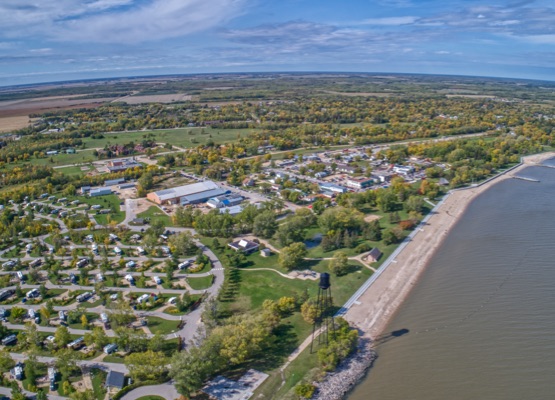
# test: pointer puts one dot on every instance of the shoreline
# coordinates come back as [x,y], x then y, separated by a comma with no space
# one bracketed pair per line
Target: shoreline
[371,309]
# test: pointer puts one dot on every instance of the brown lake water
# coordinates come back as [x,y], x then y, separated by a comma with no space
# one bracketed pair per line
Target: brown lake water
[481,321]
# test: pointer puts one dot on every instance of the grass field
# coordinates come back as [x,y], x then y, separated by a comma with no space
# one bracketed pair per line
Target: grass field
[200,283]
[155,214]
[64,159]
[177,137]
[162,326]
[98,379]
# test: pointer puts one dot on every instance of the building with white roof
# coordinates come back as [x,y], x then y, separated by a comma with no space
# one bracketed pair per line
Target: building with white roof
[188,194]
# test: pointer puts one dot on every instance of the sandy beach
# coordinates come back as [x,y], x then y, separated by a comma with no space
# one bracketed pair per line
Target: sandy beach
[374,308]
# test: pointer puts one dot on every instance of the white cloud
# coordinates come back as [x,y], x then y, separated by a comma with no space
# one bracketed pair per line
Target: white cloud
[390,21]
[114,21]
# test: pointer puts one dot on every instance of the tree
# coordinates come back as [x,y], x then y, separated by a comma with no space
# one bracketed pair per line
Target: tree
[96,337]
[62,336]
[156,342]
[309,311]
[182,244]
[84,321]
[17,313]
[17,394]
[305,390]
[31,368]
[43,291]
[66,362]
[339,264]
[414,203]
[32,335]
[121,313]
[265,224]
[291,231]
[146,366]
[6,361]
[292,256]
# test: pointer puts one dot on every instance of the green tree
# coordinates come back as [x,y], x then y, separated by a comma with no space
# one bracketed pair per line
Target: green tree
[339,264]
[265,224]
[62,336]
[96,337]
[292,256]
[66,362]
[6,361]
[145,366]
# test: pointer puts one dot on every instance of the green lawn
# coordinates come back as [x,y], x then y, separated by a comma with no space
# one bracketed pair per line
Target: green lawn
[110,201]
[162,326]
[64,159]
[155,214]
[98,378]
[200,283]
[177,137]
[73,171]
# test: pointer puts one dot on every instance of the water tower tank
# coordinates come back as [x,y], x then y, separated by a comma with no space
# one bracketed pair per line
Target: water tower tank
[324,280]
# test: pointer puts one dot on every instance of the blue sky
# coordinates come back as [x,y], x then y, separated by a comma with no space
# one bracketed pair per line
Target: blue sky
[53,40]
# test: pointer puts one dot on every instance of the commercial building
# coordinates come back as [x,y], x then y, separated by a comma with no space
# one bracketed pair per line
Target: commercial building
[188,194]
[123,165]
[229,200]
[101,191]
[360,183]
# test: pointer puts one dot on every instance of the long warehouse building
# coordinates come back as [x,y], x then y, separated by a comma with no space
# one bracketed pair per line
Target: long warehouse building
[188,194]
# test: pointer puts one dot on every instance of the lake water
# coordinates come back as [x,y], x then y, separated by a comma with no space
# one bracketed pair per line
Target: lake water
[481,320]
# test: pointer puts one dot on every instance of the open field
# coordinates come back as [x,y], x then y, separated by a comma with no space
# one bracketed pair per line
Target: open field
[155,214]
[8,124]
[177,137]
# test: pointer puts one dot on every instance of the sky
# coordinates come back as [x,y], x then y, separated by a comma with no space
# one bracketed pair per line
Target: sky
[57,40]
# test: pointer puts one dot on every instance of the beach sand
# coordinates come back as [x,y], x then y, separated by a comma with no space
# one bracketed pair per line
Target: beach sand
[378,303]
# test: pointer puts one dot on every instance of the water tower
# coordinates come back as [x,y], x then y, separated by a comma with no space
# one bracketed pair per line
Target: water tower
[324,315]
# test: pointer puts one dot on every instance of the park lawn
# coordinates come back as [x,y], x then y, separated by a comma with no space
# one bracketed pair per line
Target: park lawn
[155,214]
[177,137]
[73,170]
[111,201]
[64,159]
[98,378]
[202,282]
[161,326]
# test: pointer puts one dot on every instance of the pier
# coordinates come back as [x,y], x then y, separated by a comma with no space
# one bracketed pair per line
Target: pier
[524,178]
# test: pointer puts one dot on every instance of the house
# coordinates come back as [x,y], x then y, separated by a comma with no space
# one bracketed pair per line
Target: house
[248,182]
[374,255]
[114,379]
[443,182]
[101,191]
[187,194]
[246,246]
[138,221]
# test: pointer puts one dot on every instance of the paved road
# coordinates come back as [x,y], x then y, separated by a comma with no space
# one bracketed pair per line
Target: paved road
[30,395]
[166,390]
